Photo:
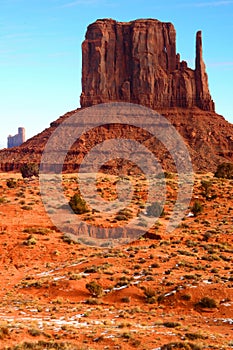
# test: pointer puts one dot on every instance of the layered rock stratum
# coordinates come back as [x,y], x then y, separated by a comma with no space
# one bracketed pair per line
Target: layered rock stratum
[137,62]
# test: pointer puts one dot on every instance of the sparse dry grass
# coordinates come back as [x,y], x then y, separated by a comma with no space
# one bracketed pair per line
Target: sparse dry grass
[151,288]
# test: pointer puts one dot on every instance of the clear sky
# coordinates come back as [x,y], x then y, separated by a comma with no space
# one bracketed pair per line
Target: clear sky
[40,52]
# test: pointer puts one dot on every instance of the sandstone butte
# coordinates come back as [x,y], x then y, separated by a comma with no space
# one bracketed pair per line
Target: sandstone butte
[137,62]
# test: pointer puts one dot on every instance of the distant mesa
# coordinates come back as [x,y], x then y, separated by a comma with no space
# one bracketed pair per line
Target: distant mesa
[137,62]
[16,140]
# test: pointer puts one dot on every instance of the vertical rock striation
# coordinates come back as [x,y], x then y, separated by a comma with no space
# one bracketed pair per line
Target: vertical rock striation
[137,62]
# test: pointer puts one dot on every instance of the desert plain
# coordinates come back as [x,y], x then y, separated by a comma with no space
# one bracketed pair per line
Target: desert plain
[162,291]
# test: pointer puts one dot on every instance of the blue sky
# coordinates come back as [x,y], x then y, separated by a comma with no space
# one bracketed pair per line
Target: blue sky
[40,52]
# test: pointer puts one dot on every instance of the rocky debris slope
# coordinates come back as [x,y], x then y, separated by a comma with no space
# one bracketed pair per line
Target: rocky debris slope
[137,62]
[208,136]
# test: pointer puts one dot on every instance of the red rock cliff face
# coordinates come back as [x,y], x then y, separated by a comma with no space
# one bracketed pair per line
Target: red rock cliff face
[137,62]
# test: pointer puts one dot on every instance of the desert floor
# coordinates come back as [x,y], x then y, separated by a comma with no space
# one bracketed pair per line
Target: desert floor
[162,291]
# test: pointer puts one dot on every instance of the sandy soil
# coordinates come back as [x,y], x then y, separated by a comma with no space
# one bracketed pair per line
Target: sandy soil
[150,289]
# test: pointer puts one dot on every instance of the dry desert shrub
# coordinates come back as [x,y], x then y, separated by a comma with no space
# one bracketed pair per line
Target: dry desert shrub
[181,345]
[225,171]
[95,289]
[11,183]
[4,331]
[78,204]
[29,170]
[207,302]
[41,345]
[197,208]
